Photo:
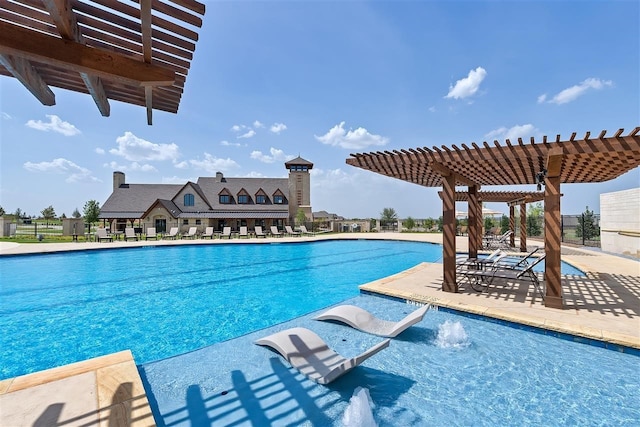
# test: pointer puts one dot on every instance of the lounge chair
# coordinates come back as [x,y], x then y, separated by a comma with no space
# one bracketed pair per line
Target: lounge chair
[290,231]
[259,232]
[478,262]
[303,230]
[243,232]
[481,279]
[129,233]
[518,263]
[226,232]
[208,232]
[362,320]
[191,234]
[151,234]
[310,355]
[173,233]
[275,232]
[101,234]
[498,242]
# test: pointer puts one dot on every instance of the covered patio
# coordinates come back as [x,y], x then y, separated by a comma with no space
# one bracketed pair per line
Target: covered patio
[543,163]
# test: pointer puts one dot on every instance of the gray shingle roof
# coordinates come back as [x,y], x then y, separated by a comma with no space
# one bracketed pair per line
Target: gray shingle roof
[212,188]
[135,199]
[298,161]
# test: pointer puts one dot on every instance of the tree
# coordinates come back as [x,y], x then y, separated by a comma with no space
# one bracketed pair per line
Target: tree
[429,223]
[91,211]
[534,219]
[1,211]
[388,215]
[410,223]
[48,214]
[76,213]
[488,224]
[63,216]
[504,223]
[18,213]
[587,228]
[301,217]
[440,223]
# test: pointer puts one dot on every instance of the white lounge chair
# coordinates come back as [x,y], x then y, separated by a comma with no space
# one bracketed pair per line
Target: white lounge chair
[226,232]
[191,234]
[362,320]
[244,232]
[208,232]
[303,229]
[101,234]
[259,232]
[310,355]
[275,232]
[130,233]
[290,231]
[173,233]
[151,234]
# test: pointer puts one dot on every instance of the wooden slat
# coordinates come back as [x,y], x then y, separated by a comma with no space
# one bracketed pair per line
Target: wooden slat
[22,70]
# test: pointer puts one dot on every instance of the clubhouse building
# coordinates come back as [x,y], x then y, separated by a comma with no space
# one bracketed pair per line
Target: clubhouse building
[211,202]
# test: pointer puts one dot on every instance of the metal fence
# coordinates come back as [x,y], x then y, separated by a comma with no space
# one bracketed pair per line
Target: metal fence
[582,229]
[36,228]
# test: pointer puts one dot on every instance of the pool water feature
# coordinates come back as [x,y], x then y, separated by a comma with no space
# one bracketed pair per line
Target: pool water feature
[502,375]
[60,308]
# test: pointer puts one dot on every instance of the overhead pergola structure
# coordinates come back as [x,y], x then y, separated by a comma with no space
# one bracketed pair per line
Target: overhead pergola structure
[513,199]
[138,52]
[549,163]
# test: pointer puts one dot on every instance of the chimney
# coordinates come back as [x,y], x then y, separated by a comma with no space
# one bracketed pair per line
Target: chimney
[219,177]
[118,180]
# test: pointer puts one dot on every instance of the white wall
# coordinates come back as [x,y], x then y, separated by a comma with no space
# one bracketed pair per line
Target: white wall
[620,222]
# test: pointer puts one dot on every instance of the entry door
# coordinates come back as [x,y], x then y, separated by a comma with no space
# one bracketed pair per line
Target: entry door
[161,225]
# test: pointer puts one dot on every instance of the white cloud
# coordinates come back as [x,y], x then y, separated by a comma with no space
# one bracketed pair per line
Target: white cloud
[257,124]
[573,92]
[100,150]
[176,180]
[513,133]
[278,127]
[134,166]
[467,86]
[247,134]
[5,116]
[230,144]
[55,125]
[213,164]
[432,109]
[542,98]
[352,139]
[74,172]
[275,156]
[254,174]
[237,128]
[181,165]
[137,149]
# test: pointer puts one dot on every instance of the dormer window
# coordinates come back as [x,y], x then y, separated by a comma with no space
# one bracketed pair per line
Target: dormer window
[278,199]
[243,199]
[261,199]
[225,199]
[189,200]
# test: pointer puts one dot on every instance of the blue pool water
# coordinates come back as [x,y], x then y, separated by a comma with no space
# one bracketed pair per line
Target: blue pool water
[162,301]
[448,369]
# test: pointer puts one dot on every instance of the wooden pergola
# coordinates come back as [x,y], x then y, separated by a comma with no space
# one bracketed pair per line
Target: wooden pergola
[138,52]
[513,199]
[549,163]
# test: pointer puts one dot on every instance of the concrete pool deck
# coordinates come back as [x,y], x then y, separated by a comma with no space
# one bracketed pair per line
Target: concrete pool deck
[604,306]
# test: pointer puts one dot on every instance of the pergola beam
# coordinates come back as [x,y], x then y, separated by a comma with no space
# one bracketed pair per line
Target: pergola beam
[67,54]
[62,14]
[22,70]
[145,20]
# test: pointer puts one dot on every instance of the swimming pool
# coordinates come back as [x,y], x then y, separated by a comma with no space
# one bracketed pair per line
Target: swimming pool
[162,301]
[480,373]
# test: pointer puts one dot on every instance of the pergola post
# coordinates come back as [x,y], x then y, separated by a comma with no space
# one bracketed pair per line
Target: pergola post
[523,227]
[473,229]
[449,233]
[552,229]
[512,226]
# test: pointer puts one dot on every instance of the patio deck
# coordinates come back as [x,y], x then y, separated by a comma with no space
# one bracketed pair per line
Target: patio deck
[603,306]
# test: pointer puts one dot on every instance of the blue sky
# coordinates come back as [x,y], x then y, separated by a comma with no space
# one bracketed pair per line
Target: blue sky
[272,80]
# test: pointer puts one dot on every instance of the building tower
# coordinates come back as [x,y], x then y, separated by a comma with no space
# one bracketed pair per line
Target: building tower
[299,187]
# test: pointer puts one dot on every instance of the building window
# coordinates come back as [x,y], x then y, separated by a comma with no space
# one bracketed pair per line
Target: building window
[243,199]
[198,221]
[185,222]
[278,199]
[189,200]
[299,168]
[261,199]
[225,199]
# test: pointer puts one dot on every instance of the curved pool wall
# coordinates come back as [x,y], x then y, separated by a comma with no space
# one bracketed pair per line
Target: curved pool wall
[160,301]
[492,375]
